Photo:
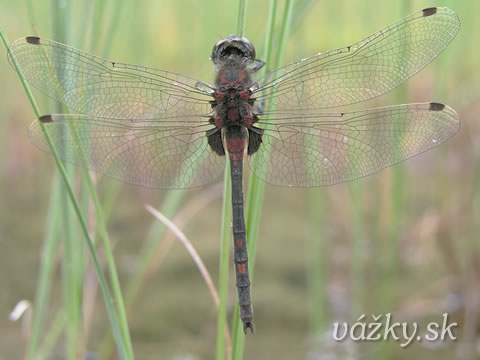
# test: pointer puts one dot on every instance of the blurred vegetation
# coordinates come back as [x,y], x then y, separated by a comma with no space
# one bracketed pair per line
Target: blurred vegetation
[403,241]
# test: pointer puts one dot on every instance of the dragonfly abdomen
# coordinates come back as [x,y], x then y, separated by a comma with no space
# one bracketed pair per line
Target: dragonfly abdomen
[235,139]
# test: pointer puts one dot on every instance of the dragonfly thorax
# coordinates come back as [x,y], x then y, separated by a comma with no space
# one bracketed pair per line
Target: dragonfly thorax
[233,106]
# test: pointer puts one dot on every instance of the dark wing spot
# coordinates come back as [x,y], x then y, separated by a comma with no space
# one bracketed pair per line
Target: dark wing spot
[254,140]
[215,142]
[45,118]
[429,11]
[34,40]
[436,107]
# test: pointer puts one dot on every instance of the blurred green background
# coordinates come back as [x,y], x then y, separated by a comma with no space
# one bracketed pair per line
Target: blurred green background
[404,241]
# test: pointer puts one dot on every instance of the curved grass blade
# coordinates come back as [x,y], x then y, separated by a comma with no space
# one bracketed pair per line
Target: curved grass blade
[122,348]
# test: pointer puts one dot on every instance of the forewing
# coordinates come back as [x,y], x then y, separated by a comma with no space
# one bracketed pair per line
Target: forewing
[94,86]
[139,153]
[364,70]
[325,149]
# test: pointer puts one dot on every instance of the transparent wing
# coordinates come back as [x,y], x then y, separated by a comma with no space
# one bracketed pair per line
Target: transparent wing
[325,149]
[94,86]
[364,70]
[138,152]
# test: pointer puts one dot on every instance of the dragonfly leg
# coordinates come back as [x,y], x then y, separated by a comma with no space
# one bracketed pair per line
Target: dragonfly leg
[259,64]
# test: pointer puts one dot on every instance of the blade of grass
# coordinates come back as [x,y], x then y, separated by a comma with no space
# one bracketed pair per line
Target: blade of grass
[88,186]
[196,258]
[301,9]
[47,268]
[241,16]
[357,253]
[194,206]
[112,269]
[317,246]
[356,192]
[97,19]
[224,264]
[101,278]
[396,200]
[101,226]
[72,257]
[160,249]
[155,256]
[56,327]
[317,251]
[169,207]
[79,251]
[145,258]
[112,28]
[191,250]
[31,12]
[45,278]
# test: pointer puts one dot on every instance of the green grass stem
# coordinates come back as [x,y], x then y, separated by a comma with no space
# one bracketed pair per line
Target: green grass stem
[113,27]
[72,259]
[100,219]
[387,302]
[122,348]
[224,265]
[53,335]
[45,277]
[145,258]
[357,254]
[317,255]
[241,17]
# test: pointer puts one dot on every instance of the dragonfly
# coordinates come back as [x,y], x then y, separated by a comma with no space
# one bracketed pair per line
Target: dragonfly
[160,129]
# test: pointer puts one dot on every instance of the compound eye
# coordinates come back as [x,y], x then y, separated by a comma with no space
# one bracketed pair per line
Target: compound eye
[233,45]
[249,48]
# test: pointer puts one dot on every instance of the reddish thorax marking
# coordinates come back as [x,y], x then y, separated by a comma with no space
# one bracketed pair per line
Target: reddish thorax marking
[231,77]
[219,95]
[233,114]
[248,119]
[219,121]
[244,94]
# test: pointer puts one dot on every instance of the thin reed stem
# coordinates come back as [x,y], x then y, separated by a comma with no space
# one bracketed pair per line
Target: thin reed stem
[101,278]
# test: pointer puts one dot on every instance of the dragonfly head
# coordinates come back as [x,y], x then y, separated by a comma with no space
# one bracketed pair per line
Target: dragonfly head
[233,46]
